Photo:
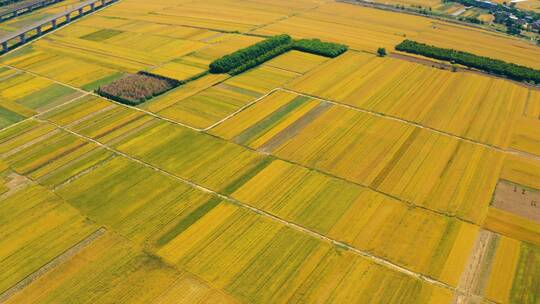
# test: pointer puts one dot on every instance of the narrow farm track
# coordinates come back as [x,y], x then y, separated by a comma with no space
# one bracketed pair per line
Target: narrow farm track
[365,254]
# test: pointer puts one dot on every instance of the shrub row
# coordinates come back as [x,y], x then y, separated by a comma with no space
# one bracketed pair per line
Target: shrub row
[318,47]
[135,89]
[239,58]
[494,66]
[261,59]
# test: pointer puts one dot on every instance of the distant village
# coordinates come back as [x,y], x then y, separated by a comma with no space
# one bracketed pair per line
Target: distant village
[508,14]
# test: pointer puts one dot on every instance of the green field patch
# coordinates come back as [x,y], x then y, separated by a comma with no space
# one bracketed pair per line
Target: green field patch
[48,97]
[189,220]
[241,180]
[526,285]
[8,117]
[101,35]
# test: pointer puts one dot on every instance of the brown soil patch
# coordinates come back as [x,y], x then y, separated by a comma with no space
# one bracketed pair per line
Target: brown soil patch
[517,199]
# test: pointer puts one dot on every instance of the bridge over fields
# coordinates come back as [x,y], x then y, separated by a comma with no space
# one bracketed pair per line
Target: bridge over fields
[37,29]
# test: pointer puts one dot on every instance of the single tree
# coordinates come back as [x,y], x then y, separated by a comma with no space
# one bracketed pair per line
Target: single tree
[381,52]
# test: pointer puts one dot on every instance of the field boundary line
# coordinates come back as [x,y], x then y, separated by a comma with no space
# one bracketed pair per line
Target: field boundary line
[66,255]
[365,254]
[241,109]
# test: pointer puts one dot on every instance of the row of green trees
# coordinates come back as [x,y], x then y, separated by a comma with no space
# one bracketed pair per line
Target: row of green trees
[493,66]
[249,57]
[318,47]
[237,59]
[261,59]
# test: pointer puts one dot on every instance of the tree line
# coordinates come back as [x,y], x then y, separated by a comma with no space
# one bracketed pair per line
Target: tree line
[318,47]
[486,64]
[251,56]
[238,58]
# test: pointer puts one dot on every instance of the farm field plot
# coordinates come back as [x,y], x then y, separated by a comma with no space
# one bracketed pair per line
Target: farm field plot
[220,100]
[353,178]
[233,16]
[526,135]
[41,226]
[361,217]
[110,269]
[416,165]
[221,248]
[23,95]
[356,26]
[462,104]
[496,254]
[367,29]
[481,42]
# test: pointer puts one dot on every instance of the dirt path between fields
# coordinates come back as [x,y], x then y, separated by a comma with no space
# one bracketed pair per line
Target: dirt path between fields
[473,280]
[51,264]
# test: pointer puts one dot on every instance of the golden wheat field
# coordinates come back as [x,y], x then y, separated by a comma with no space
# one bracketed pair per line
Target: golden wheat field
[299,176]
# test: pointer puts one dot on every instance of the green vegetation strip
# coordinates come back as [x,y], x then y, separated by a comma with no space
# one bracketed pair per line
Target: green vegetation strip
[486,64]
[241,57]
[251,56]
[189,220]
[318,47]
[239,182]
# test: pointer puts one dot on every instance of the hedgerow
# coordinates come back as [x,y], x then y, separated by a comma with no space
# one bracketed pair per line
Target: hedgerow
[239,58]
[318,47]
[494,66]
[261,59]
